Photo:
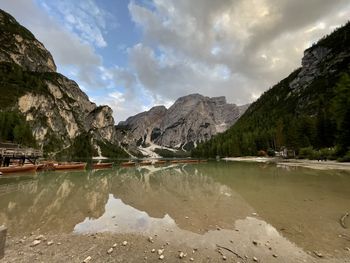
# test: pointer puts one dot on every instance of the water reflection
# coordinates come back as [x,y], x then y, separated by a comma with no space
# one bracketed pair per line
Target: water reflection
[190,200]
[122,218]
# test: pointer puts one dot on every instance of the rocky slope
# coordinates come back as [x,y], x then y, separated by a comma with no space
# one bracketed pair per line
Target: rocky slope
[307,111]
[54,106]
[190,120]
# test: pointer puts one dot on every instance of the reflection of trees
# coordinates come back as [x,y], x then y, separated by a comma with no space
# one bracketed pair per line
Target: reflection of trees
[59,202]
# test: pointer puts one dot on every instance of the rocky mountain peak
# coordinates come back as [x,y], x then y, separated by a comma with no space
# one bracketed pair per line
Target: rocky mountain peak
[55,108]
[18,45]
[191,119]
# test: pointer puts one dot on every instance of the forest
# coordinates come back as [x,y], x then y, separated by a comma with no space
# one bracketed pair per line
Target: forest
[313,122]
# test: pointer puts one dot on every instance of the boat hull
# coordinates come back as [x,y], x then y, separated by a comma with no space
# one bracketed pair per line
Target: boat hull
[128,164]
[75,166]
[18,169]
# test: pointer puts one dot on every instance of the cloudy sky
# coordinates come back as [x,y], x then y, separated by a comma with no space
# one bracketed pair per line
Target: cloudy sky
[134,54]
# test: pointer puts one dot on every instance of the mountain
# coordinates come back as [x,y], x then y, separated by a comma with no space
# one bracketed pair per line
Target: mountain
[34,97]
[190,120]
[307,112]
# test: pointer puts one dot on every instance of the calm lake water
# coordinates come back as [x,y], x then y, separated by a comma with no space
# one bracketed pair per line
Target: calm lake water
[301,207]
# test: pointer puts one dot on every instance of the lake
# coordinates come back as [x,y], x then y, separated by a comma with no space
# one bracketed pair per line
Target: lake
[295,208]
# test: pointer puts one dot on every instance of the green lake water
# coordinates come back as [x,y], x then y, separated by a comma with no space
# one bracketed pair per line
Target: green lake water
[301,206]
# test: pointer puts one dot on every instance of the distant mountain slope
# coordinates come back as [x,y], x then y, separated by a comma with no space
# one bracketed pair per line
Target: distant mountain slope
[190,120]
[309,108]
[58,113]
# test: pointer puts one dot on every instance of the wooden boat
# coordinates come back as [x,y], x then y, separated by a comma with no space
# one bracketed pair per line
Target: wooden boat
[177,161]
[128,164]
[18,169]
[160,162]
[101,165]
[146,162]
[46,166]
[70,166]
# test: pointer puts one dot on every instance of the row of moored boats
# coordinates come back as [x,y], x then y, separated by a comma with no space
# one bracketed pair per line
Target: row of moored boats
[53,166]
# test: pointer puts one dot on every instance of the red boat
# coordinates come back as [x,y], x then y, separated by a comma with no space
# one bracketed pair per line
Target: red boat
[159,162]
[128,164]
[18,169]
[70,166]
[102,165]
[145,163]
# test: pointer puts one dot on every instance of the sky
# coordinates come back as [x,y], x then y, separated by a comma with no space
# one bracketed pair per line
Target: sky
[135,54]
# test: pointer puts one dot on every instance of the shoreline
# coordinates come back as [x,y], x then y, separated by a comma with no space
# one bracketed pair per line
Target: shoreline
[137,247]
[311,164]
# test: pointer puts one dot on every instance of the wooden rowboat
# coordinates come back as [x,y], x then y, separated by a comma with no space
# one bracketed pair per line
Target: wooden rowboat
[159,162]
[102,165]
[70,166]
[18,169]
[128,164]
[145,163]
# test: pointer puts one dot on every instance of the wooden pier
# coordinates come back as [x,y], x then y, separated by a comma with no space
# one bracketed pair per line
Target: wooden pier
[10,151]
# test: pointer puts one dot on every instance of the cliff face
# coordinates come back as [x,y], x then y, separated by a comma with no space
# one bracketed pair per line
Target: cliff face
[54,106]
[18,45]
[190,120]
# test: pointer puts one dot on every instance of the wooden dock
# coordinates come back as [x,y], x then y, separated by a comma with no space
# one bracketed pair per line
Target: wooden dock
[10,151]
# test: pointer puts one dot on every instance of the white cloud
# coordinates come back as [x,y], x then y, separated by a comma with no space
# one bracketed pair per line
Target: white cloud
[84,18]
[233,48]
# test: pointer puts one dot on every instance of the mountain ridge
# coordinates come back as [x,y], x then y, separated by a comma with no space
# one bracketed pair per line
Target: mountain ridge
[191,119]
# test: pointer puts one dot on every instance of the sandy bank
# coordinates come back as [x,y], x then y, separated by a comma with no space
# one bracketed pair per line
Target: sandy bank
[312,164]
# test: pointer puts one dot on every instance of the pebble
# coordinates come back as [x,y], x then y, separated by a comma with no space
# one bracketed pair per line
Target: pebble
[186,217]
[255,259]
[39,237]
[182,255]
[254,214]
[125,243]
[59,243]
[255,242]
[114,245]
[35,243]
[191,259]
[347,248]
[160,251]
[109,251]
[88,259]
[49,243]
[153,250]
[274,255]
[161,257]
[318,254]
[150,239]
[224,257]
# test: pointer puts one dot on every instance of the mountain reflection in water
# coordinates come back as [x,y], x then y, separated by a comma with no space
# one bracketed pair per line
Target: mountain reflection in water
[189,201]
